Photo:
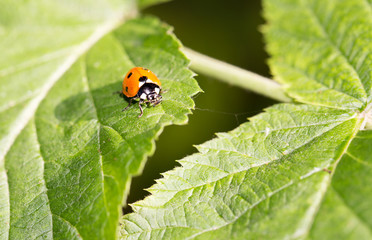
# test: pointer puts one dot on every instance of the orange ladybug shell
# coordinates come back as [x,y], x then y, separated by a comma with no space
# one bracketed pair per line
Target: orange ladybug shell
[132,80]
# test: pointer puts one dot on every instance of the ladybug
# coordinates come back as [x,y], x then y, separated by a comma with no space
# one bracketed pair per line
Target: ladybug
[143,85]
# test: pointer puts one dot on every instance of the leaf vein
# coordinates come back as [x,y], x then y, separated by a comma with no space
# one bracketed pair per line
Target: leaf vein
[359,160]
[68,223]
[336,47]
[352,210]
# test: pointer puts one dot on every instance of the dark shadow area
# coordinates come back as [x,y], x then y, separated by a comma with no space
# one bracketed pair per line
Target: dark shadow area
[80,104]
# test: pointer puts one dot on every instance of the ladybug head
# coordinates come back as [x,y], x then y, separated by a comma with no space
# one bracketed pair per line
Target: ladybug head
[154,98]
[151,93]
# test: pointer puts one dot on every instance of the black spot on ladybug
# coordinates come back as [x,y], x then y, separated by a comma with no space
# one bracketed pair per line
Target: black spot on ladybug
[126,89]
[130,74]
[142,79]
[145,69]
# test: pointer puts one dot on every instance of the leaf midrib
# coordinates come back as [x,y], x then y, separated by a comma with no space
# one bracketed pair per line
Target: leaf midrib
[335,164]
[271,131]
[88,89]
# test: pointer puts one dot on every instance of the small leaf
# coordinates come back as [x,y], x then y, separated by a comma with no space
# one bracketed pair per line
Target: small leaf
[322,50]
[264,180]
[68,170]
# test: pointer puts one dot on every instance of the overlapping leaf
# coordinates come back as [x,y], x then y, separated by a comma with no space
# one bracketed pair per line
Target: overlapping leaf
[322,50]
[265,179]
[65,172]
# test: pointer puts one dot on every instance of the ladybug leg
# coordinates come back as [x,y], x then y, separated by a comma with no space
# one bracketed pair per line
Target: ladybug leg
[130,103]
[140,107]
[156,103]
[151,104]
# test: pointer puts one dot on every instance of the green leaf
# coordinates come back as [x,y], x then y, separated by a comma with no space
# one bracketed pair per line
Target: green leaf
[346,211]
[39,41]
[264,180]
[67,150]
[322,50]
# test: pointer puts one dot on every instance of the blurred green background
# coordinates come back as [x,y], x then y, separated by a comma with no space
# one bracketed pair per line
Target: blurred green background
[226,30]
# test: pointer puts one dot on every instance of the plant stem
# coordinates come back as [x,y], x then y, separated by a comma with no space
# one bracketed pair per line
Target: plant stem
[235,75]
